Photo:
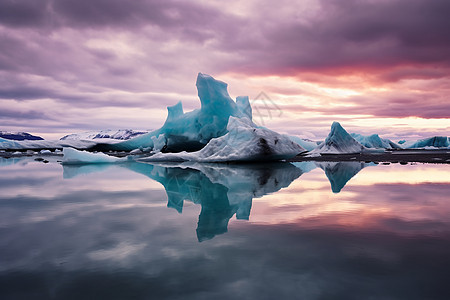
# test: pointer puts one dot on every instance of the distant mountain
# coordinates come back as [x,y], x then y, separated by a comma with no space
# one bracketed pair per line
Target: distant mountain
[19,136]
[121,134]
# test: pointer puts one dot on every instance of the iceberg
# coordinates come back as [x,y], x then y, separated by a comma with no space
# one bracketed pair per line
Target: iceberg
[73,156]
[244,142]
[374,141]
[435,142]
[223,191]
[338,141]
[191,131]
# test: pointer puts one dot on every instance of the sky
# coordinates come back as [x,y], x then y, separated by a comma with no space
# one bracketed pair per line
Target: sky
[376,66]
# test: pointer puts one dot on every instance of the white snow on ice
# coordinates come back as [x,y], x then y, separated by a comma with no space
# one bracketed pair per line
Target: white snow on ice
[338,141]
[243,142]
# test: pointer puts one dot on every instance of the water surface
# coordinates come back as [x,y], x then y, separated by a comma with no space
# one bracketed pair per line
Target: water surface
[202,231]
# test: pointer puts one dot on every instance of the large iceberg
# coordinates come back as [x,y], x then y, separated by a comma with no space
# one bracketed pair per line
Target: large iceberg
[338,141]
[244,142]
[191,131]
[374,141]
[220,131]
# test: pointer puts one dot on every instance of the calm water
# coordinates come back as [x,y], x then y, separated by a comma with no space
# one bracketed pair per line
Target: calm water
[279,231]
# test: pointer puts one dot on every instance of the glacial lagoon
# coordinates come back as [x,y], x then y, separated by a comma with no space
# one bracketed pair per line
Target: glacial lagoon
[309,230]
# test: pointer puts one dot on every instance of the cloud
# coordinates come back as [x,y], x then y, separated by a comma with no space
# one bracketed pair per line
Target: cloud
[351,36]
[92,53]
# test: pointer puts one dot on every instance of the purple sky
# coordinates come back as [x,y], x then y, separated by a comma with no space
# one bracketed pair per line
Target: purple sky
[376,66]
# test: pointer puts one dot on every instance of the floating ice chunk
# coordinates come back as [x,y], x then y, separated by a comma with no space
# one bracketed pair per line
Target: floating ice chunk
[374,141]
[73,156]
[45,152]
[243,142]
[338,141]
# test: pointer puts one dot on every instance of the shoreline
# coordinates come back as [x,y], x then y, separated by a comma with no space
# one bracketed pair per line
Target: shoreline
[403,156]
[441,156]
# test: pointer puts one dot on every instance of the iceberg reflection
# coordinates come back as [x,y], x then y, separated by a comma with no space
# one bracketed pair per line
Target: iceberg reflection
[339,173]
[222,190]
[225,190]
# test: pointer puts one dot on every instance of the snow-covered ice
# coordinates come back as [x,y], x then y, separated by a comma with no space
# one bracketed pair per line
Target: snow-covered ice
[73,156]
[121,134]
[374,141]
[243,142]
[191,131]
[338,141]
[435,142]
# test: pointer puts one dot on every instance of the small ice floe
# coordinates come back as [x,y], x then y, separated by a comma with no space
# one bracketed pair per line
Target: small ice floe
[73,156]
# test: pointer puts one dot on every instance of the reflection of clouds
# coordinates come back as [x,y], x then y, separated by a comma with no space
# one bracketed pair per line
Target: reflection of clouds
[411,174]
[368,193]
[262,261]
[122,241]
[119,252]
[222,190]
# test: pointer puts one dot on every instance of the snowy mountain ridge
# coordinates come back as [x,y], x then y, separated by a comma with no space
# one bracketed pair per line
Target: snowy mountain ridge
[121,134]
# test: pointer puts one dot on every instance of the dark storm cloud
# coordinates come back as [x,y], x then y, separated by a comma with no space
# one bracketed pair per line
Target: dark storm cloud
[28,93]
[24,13]
[425,106]
[339,36]
[190,18]
[354,35]
[86,53]
[15,114]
